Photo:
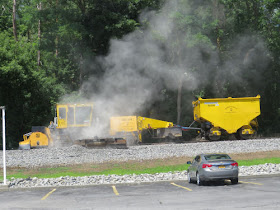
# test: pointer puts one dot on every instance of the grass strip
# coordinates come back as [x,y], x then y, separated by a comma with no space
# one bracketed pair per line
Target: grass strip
[63,171]
[274,160]
[117,169]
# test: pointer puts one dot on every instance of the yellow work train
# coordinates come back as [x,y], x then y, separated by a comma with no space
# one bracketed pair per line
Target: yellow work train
[217,116]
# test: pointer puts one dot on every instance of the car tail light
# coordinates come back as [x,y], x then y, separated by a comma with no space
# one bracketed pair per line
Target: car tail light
[234,164]
[206,165]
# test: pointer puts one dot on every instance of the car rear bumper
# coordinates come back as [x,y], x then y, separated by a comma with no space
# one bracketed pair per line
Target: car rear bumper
[218,175]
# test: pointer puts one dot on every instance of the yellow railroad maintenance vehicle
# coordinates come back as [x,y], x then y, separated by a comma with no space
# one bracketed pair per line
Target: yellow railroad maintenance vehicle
[136,129]
[70,126]
[39,136]
[236,116]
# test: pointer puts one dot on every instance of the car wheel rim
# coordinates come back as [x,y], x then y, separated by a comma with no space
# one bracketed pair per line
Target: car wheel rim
[197,179]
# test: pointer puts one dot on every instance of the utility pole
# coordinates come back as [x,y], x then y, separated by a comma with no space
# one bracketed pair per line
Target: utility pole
[4,144]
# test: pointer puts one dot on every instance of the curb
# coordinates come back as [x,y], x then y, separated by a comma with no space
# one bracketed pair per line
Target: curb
[125,183]
[4,187]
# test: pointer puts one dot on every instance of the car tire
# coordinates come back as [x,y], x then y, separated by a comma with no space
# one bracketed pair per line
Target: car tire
[234,181]
[198,180]
[189,177]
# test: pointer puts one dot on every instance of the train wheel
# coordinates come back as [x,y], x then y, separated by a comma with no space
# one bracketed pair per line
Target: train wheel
[240,136]
[213,137]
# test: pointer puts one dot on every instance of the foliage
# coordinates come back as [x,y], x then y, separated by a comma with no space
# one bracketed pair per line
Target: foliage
[27,93]
[238,41]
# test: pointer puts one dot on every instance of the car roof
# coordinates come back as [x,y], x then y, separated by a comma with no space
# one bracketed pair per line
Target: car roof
[203,154]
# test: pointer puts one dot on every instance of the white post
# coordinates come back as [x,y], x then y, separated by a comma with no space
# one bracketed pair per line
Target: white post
[4,144]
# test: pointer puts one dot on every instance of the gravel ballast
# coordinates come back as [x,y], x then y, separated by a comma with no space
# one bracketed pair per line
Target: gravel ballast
[78,155]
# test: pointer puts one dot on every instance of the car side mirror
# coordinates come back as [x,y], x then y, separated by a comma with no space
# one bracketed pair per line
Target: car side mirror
[189,162]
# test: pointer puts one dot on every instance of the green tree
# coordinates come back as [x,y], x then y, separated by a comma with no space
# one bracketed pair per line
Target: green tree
[27,93]
[259,19]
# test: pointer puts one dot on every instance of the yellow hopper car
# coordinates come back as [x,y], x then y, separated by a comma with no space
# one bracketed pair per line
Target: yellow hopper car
[236,116]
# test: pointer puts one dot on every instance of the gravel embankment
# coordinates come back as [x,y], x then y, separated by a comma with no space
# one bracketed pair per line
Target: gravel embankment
[79,155]
[126,179]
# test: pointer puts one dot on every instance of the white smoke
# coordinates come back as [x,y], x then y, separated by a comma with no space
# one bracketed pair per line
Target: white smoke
[138,67]
[143,63]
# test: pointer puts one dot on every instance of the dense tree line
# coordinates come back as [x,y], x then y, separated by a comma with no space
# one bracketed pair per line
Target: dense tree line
[48,47]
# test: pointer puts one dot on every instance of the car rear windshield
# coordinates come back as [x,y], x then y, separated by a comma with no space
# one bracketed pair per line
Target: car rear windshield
[216,156]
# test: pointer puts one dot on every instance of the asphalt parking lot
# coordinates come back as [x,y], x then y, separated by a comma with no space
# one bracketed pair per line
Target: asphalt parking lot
[249,193]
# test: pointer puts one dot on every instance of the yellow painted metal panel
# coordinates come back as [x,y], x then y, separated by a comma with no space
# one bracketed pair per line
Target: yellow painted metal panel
[145,123]
[38,139]
[134,123]
[123,124]
[229,114]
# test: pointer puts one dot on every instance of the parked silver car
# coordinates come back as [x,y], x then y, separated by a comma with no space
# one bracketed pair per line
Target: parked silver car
[212,167]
